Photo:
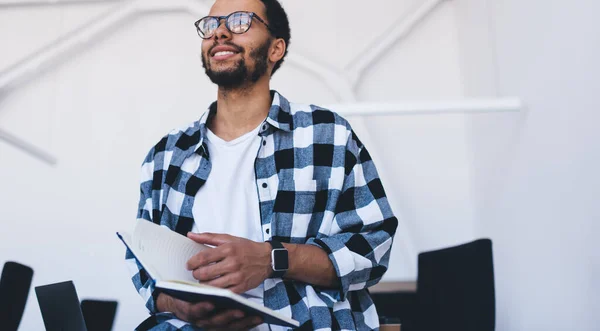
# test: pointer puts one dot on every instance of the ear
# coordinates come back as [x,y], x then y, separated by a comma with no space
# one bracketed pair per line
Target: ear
[277,50]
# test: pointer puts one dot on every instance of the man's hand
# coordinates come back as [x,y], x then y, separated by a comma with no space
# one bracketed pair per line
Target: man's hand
[201,314]
[235,263]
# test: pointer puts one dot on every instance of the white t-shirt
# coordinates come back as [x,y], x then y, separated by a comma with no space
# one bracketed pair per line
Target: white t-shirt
[228,201]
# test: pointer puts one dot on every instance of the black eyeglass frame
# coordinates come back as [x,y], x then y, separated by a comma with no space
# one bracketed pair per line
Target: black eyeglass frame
[226,18]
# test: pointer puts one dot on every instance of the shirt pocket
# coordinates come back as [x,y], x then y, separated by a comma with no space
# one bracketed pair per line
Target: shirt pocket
[303,186]
[299,208]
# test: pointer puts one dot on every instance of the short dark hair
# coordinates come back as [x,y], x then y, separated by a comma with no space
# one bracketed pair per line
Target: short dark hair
[280,26]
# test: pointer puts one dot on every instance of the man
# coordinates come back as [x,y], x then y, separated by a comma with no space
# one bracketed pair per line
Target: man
[286,193]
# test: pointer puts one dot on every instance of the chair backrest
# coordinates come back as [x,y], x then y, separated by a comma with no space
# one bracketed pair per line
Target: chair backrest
[60,307]
[99,315]
[455,288]
[14,290]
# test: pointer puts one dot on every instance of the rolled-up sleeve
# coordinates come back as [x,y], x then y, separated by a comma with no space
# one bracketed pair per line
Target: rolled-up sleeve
[141,280]
[363,227]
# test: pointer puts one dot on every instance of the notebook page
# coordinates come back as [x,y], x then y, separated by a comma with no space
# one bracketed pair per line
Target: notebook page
[126,238]
[166,250]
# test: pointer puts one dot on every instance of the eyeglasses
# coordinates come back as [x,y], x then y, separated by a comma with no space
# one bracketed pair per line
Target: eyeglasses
[237,22]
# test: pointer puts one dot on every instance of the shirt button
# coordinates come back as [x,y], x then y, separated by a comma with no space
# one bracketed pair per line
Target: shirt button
[264,185]
[264,143]
[265,127]
[267,231]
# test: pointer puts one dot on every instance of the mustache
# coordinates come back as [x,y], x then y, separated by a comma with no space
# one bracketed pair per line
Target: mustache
[227,43]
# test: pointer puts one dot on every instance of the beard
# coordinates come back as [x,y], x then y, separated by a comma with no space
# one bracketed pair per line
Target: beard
[240,74]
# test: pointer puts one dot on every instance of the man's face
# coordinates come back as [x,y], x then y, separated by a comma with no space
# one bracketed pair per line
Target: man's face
[248,63]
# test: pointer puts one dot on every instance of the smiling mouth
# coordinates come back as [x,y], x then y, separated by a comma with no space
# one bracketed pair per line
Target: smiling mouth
[224,53]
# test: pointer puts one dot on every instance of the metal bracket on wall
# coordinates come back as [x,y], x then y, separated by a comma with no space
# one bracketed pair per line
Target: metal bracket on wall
[27,147]
[466,106]
[399,29]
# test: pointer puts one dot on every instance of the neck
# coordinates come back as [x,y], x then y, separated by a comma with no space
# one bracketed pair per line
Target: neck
[241,110]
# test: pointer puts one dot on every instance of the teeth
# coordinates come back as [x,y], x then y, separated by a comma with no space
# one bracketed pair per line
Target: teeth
[223,53]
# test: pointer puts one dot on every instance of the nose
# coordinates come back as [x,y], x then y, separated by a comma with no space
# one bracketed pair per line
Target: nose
[222,31]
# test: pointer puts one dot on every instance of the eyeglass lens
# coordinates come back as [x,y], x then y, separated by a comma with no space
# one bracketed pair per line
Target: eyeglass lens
[238,22]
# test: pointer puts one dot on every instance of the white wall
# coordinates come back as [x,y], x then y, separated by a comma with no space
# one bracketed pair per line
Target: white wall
[536,176]
[450,178]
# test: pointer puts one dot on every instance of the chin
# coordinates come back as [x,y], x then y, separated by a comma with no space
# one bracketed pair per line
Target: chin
[223,70]
[224,65]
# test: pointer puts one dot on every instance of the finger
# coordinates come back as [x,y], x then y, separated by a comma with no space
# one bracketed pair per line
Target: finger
[226,318]
[192,311]
[201,309]
[238,288]
[245,323]
[205,258]
[213,239]
[213,271]
[221,320]
[225,281]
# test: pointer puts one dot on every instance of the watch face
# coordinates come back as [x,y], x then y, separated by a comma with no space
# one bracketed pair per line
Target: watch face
[280,259]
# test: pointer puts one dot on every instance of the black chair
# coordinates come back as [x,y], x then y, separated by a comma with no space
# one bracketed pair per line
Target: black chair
[455,291]
[15,283]
[455,288]
[99,315]
[396,307]
[60,308]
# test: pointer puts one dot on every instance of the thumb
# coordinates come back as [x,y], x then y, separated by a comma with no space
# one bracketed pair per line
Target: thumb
[206,238]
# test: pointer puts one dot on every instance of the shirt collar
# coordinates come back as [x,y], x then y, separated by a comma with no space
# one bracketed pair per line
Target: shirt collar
[279,116]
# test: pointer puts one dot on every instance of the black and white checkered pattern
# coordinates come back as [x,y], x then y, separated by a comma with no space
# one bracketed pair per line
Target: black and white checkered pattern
[317,185]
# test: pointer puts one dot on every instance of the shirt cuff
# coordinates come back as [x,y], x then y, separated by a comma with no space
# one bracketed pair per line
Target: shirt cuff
[343,262]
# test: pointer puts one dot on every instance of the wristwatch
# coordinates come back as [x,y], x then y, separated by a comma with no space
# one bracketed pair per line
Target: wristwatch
[279,259]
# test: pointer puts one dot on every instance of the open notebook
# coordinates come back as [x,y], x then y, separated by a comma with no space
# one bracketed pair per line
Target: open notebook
[163,253]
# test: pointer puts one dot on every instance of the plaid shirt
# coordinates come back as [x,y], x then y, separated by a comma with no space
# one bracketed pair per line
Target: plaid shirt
[316,185]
